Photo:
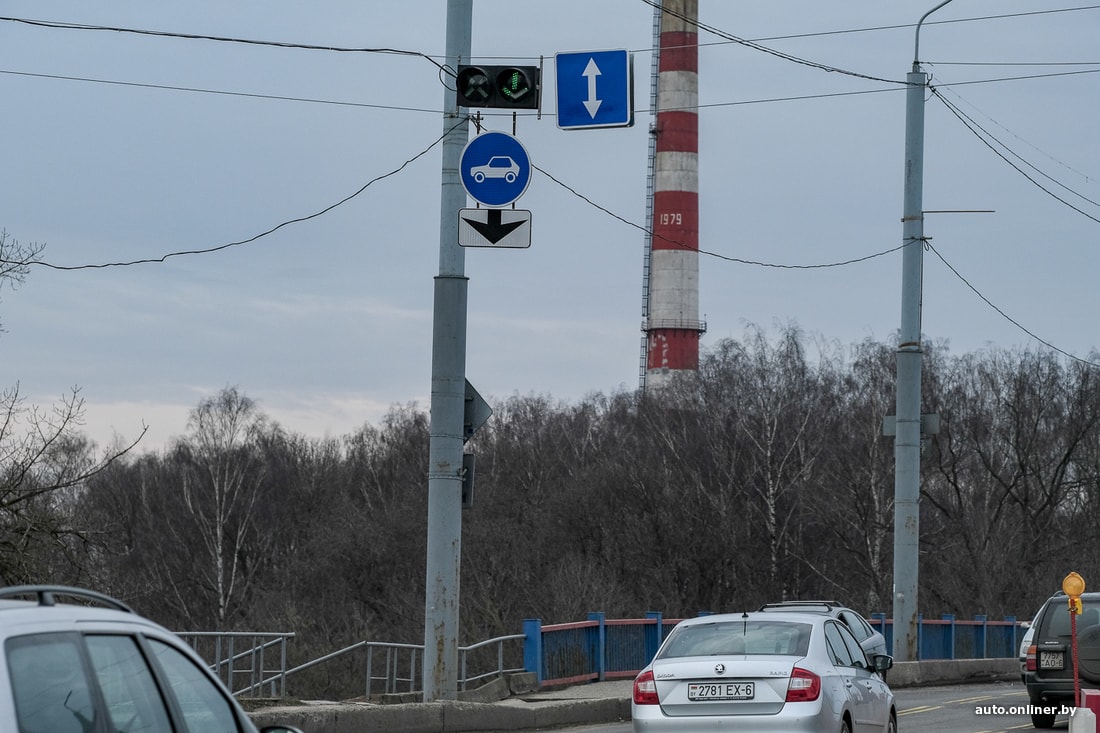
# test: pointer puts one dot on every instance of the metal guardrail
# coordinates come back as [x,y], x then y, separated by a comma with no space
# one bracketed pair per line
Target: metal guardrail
[950,638]
[600,649]
[389,668]
[401,671]
[466,652]
[219,649]
[593,650]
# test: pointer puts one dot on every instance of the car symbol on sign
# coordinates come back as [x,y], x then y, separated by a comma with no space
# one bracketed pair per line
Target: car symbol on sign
[499,166]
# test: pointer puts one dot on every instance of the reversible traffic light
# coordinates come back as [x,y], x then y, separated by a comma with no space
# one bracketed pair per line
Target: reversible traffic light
[509,87]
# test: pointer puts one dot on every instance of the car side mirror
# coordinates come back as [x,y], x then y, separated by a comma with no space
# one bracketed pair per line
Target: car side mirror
[883,662]
[280,729]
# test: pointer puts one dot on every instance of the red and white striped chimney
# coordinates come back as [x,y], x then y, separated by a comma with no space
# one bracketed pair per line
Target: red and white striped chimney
[673,326]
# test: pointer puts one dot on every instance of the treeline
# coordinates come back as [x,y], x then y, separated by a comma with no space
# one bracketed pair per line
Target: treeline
[763,476]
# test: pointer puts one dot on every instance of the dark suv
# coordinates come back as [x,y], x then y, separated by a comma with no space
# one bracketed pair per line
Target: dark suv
[1048,667]
[79,668]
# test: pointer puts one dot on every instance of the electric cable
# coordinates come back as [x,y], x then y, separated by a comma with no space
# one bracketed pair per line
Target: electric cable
[770,51]
[1024,161]
[899,26]
[984,136]
[249,240]
[222,39]
[738,260]
[967,121]
[716,255]
[1001,312]
[251,95]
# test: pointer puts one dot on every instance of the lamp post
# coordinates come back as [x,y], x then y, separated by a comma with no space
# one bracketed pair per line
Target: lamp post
[444,550]
[907,437]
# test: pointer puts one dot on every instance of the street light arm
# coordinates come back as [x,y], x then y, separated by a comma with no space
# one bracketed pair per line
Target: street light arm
[916,41]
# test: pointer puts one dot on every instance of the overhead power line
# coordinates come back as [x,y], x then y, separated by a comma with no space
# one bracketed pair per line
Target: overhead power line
[843,263]
[900,26]
[223,39]
[716,255]
[727,38]
[272,230]
[1003,151]
[770,51]
[1002,313]
[1085,176]
[198,90]
[756,44]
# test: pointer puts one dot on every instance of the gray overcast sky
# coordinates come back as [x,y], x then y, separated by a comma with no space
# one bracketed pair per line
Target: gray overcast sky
[119,146]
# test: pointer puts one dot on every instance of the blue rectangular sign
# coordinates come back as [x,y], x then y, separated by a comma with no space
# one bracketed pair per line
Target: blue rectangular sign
[594,89]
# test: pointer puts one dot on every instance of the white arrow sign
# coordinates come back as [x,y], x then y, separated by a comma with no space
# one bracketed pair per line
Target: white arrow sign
[595,89]
[592,104]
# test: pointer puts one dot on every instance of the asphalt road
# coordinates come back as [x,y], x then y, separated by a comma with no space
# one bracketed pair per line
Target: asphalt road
[986,708]
[996,707]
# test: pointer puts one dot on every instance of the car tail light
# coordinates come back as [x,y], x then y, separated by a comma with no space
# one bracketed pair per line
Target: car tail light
[1029,662]
[645,689]
[805,686]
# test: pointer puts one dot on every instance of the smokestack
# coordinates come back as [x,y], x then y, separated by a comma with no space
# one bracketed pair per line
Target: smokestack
[673,327]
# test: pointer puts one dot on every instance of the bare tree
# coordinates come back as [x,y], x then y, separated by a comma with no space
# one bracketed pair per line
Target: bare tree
[1008,488]
[44,462]
[203,499]
[855,505]
[16,260]
[780,407]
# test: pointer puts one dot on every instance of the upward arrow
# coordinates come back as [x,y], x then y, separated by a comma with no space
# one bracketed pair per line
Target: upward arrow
[591,71]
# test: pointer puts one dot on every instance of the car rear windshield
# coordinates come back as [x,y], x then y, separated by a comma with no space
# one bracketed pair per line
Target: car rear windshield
[1056,619]
[753,636]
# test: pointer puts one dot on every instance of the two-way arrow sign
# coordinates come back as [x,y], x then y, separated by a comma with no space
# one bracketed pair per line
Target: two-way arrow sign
[592,104]
[595,89]
[494,228]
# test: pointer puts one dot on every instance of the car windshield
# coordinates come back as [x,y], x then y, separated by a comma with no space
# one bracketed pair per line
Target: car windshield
[753,636]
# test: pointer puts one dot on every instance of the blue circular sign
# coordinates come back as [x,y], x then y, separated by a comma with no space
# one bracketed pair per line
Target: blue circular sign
[495,169]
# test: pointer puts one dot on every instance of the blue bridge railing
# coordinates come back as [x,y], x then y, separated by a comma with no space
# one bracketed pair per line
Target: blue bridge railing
[601,649]
[950,638]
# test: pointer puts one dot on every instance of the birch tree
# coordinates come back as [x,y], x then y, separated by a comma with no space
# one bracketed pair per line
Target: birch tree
[215,475]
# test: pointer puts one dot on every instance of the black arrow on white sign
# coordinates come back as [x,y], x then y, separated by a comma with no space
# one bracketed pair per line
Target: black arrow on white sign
[493,229]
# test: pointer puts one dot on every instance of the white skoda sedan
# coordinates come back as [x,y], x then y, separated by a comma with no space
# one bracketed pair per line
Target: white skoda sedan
[766,671]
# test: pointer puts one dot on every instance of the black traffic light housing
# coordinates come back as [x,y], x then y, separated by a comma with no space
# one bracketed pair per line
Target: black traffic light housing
[507,87]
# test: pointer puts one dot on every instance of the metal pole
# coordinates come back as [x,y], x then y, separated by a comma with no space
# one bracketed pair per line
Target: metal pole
[444,550]
[907,439]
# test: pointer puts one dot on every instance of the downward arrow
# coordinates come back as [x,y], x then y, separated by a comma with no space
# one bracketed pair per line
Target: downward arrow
[493,228]
[591,71]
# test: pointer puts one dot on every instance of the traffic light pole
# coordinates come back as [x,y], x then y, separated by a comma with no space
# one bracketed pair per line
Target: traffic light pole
[907,438]
[444,550]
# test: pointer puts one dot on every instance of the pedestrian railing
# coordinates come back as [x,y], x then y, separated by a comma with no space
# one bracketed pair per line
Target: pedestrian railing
[950,638]
[258,661]
[600,649]
[597,649]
